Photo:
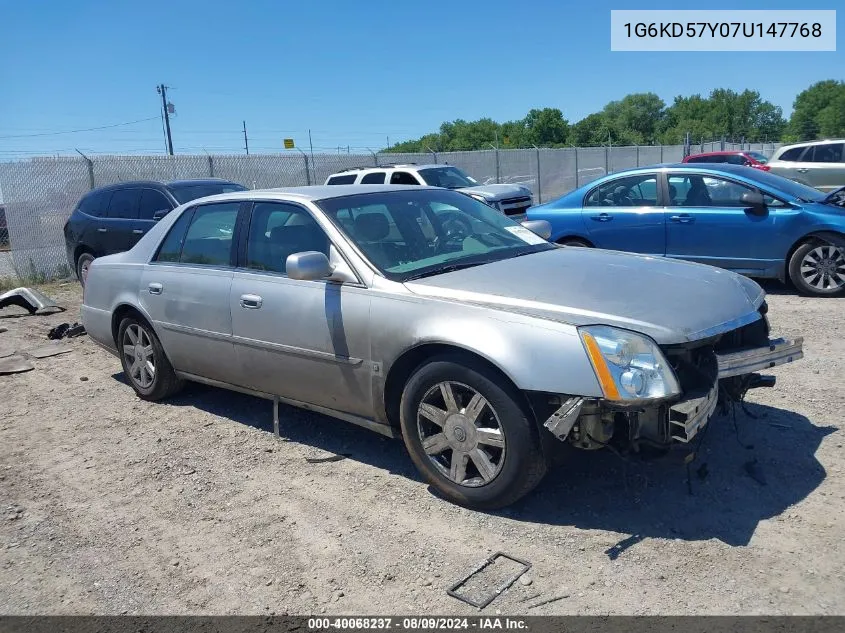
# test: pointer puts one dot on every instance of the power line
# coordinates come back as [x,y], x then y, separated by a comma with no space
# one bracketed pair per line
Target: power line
[90,129]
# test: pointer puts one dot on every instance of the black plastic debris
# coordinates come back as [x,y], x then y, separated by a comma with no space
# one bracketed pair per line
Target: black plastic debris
[30,300]
[66,330]
[614,551]
[324,460]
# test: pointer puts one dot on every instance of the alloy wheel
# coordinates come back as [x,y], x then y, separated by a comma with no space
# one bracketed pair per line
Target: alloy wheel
[823,268]
[461,434]
[138,355]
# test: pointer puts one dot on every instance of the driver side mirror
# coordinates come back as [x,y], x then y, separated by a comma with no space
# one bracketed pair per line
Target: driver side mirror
[313,265]
[539,227]
[754,202]
[158,215]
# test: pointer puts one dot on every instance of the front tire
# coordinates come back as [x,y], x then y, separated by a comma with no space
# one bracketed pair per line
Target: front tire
[144,362]
[817,268]
[468,435]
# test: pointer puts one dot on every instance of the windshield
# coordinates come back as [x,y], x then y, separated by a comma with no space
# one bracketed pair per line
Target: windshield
[758,157]
[413,234]
[448,177]
[186,193]
[789,187]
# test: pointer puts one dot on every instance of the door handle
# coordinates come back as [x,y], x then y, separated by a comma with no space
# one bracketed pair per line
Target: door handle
[138,231]
[683,219]
[602,217]
[155,288]
[803,170]
[102,230]
[252,302]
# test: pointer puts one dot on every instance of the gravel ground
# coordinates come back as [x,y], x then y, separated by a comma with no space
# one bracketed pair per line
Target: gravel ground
[109,504]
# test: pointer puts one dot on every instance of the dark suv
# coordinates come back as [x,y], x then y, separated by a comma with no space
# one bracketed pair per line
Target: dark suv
[112,219]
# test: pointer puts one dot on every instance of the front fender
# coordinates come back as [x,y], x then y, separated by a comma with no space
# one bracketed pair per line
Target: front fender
[535,354]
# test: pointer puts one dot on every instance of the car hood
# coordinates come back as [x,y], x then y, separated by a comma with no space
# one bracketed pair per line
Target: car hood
[670,301]
[497,192]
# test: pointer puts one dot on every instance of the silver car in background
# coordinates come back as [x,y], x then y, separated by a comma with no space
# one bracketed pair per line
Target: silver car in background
[818,164]
[422,313]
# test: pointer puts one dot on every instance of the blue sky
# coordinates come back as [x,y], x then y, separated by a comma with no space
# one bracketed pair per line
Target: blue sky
[352,72]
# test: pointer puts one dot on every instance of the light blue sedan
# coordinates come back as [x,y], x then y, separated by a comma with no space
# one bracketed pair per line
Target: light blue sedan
[734,217]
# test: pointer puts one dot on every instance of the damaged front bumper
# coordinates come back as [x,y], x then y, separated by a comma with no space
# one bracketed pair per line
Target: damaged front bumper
[590,423]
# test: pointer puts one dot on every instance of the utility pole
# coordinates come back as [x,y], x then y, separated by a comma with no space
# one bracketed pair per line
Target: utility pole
[311,146]
[162,90]
[246,140]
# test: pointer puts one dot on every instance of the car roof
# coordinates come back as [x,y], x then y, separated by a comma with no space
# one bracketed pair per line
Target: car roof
[722,167]
[160,184]
[825,141]
[312,192]
[723,153]
[352,170]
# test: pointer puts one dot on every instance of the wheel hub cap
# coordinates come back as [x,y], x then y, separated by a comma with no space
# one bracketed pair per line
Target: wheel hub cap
[823,268]
[461,434]
[138,356]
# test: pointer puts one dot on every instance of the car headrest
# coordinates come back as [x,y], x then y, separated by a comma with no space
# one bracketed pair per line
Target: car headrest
[372,227]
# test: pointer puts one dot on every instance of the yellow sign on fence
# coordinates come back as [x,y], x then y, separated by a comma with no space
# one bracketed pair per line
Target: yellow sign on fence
[288,143]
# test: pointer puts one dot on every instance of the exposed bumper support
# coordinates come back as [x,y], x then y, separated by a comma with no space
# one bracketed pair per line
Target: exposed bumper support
[778,352]
[560,422]
[686,418]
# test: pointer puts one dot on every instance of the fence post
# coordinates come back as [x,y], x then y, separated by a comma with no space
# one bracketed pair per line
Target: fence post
[577,173]
[375,156]
[638,155]
[661,152]
[307,170]
[497,161]
[539,186]
[210,166]
[432,152]
[90,169]
[607,160]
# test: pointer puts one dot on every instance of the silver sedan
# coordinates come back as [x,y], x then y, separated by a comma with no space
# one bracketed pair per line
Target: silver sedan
[423,313]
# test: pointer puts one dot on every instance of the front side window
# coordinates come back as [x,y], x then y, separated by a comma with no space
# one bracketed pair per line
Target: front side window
[402,178]
[418,233]
[208,240]
[277,231]
[187,192]
[707,191]
[171,248]
[373,178]
[630,191]
[827,153]
[153,202]
[760,158]
[736,159]
[124,204]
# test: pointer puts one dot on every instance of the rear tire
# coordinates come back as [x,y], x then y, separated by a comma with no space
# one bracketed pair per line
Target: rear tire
[83,262]
[817,267]
[484,451]
[144,361]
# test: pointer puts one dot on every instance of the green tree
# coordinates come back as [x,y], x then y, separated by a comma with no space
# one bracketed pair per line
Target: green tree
[819,111]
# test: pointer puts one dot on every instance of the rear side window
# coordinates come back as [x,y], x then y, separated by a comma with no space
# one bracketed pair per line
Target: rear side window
[792,154]
[827,153]
[346,179]
[171,247]
[95,203]
[124,204]
[736,160]
[209,237]
[374,178]
[151,202]
[402,178]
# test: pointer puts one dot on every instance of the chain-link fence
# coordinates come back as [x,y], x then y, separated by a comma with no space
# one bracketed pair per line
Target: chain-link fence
[39,194]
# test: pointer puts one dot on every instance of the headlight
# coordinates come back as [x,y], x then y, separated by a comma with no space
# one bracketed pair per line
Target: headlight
[481,198]
[629,366]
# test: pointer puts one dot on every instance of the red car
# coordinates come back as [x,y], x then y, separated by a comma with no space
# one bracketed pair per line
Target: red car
[749,159]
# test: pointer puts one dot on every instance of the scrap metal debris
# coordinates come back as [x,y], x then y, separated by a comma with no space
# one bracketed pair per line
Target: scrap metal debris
[15,365]
[483,601]
[49,350]
[66,330]
[331,458]
[30,300]
[560,596]
[3,329]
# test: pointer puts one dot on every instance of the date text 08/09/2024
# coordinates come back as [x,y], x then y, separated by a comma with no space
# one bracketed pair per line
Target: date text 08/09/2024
[416,623]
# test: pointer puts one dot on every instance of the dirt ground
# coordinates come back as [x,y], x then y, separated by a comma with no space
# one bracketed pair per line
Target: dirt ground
[109,504]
